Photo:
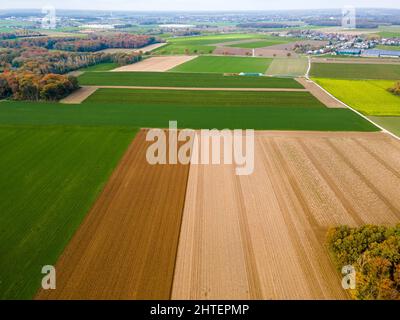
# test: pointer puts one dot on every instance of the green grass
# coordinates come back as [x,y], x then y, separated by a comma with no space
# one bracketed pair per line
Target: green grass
[368,96]
[219,64]
[200,99]
[49,179]
[391,124]
[101,67]
[171,49]
[261,112]
[394,48]
[176,79]
[355,71]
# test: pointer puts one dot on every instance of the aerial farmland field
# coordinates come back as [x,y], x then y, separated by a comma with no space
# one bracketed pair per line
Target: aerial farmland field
[49,178]
[275,211]
[271,110]
[368,96]
[180,79]
[355,71]
[126,207]
[221,64]
[289,67]
[198,155]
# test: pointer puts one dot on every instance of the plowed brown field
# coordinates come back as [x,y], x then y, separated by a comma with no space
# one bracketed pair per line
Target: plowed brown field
[126,247]
[262,236]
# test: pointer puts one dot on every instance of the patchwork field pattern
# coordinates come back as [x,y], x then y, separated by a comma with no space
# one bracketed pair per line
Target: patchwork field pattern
[126,246]
[213,234]
[49,178]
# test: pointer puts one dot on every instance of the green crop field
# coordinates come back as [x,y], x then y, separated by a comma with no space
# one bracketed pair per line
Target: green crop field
[370,97]
[392,124]
[355,71]
[200,99]
[171,49]
[49,179]
[292,67]
[176,79]
[263,111]
[101,67]
[382,47]
[219,64]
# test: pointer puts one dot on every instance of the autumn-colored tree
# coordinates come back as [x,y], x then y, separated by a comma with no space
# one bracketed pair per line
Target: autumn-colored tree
[395,89]
[374,252]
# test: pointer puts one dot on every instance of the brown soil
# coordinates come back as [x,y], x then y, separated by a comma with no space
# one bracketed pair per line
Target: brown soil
[262,236]
[320,94]
[79,95]
[126,246]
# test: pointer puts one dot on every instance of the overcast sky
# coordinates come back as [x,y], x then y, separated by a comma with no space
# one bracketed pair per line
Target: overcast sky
[209,5]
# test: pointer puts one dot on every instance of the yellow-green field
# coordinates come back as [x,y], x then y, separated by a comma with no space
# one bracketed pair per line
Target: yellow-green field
[368,96]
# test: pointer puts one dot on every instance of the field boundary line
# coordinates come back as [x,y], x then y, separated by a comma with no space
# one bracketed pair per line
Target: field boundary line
[200,88]
[357,112]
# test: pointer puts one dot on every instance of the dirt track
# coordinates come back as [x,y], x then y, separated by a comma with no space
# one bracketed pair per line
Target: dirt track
[79,95]
[320,94]
[156,64]
[125,248]
[262,236]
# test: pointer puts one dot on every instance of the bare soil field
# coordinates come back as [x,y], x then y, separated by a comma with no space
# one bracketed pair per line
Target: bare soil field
[262,236]
[278,50]
[126,246]
[79,95]
[259,52]
[145,49]
[158,64]
[320,94]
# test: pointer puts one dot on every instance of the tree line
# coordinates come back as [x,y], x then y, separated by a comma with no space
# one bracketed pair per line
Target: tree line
[39,60]
[91,43]
[374,252]
[32,86]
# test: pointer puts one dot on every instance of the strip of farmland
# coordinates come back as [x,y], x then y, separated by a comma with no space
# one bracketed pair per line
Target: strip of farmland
[126,247]
[192,109]
[355,71]
[180,79]
[262,236]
